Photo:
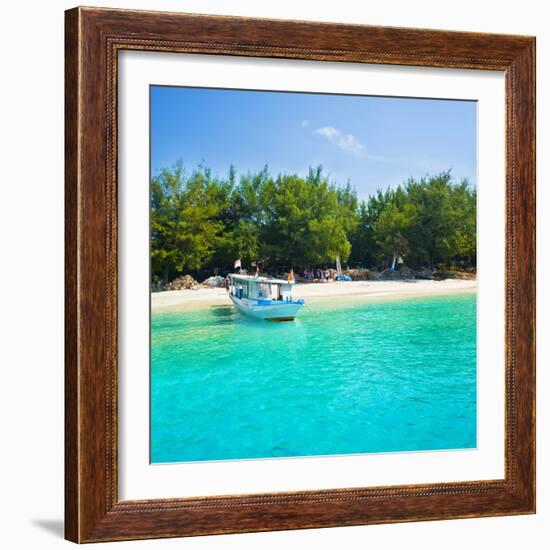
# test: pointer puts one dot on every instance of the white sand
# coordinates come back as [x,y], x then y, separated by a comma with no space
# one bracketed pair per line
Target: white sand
[205,297]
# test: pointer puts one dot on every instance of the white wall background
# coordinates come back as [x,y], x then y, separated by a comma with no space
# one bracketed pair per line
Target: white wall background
[31,273]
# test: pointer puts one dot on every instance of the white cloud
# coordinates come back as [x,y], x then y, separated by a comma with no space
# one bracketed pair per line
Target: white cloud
[346,142]
[304,123]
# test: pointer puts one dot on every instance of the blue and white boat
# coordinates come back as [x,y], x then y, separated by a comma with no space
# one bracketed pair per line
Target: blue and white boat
[264,298]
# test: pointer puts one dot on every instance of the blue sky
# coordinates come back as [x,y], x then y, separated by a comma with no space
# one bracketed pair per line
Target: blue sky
[375,142]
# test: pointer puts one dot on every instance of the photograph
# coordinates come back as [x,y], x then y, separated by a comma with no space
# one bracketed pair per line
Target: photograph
[313,274]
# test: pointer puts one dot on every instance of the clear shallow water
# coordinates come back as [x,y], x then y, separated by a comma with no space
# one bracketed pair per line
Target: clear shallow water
[346,377]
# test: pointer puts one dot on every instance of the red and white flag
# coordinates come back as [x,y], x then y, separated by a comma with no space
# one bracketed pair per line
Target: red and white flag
[237,264]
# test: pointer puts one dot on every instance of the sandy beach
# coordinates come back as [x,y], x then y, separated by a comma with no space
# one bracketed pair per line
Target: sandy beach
[206,297]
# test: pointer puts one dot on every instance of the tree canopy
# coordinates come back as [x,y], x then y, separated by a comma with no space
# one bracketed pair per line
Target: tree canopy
[426,221]
[200,222]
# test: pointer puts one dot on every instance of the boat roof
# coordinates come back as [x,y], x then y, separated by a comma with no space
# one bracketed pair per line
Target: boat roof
[255,279]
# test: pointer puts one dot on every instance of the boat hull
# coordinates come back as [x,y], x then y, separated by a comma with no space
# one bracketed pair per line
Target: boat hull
[273,311]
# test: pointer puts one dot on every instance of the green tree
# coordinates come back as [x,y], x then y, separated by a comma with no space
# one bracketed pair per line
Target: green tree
[201,222]
[304,221]
[185,220]
[392,229]
[446,218]
[429,220]
[365,248]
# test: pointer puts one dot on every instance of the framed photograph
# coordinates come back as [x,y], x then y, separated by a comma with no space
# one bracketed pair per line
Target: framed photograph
[300,275]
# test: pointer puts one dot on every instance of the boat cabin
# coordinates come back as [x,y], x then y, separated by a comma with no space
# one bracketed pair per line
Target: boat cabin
[260,288]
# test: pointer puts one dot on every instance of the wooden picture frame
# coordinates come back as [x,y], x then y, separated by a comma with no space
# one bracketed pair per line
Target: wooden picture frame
[93,511]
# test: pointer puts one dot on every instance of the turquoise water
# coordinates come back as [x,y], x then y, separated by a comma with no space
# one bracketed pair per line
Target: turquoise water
[345,377]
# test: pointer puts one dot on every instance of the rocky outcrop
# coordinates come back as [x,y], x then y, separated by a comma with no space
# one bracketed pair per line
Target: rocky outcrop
[463,275]
[362,274]
[401,274]
[214,281]
[183,282]
[406,273]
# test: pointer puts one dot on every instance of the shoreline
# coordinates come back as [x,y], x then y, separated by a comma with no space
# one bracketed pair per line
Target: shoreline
[181,300]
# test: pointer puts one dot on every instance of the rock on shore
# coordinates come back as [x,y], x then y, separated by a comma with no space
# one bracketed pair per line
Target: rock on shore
[183,282]
[215,281]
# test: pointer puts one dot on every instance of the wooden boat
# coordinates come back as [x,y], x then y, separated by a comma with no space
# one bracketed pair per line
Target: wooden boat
[264,298]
